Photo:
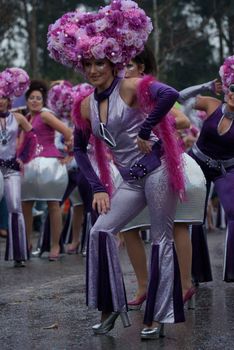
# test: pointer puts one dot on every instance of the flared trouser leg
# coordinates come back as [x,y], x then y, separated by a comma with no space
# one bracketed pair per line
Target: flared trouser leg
[164,297]
[16,247]
[224,186]
[105,287]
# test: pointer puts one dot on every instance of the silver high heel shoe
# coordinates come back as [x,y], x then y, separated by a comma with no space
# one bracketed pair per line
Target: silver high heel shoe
[153,333]
[107,325]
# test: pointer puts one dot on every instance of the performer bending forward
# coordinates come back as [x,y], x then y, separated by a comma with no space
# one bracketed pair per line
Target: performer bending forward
[114,113]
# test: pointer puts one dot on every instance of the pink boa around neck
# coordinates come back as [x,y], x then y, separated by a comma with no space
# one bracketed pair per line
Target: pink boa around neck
[165,130]
[100,149]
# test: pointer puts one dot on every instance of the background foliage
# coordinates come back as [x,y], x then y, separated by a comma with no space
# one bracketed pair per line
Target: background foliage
[190,41]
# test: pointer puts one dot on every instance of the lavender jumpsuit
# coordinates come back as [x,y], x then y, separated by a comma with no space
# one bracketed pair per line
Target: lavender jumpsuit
[105,289]
[16,240]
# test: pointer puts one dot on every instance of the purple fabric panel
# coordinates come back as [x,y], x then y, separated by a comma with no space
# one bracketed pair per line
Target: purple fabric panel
[17,255]
[225,190]
[229,263]
[211,143]
[153,286]
[177,292]
[165,97]
[105,303]
[80,153]
[201,268]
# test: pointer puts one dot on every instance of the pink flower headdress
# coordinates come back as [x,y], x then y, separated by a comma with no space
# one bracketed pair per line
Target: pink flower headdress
[61,97]
[226,73]
[117,32]
[13,82]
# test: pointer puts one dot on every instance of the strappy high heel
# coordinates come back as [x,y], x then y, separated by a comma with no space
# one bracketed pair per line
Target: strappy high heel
[153,333]
[136,304]
[107,325]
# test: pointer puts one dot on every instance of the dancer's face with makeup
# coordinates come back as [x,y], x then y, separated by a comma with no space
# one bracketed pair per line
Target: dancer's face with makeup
[230,97]
[99,72]
[35,101]
[134,70]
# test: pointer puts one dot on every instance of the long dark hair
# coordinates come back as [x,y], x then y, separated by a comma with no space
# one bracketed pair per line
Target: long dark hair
[147,58]
[38,85]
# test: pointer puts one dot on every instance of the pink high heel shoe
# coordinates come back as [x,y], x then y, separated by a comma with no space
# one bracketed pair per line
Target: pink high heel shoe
[75,250]
[189,298]
[136,304]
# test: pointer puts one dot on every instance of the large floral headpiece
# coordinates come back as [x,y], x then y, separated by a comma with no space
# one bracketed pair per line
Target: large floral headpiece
[117,32]
[60,99]
[226,73]
[13,82]
[62,96]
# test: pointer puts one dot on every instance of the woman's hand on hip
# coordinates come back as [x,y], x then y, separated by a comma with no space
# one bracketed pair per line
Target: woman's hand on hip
[101,202]
[144,146]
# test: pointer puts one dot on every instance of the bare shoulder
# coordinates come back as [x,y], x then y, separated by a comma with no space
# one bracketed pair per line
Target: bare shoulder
[47,115]
[85,107]
[207,104]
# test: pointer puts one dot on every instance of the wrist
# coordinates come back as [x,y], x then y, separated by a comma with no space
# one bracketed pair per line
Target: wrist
[144,134]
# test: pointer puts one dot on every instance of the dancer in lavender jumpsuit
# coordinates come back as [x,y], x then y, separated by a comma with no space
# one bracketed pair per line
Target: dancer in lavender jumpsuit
[214,150]
[114,113]
[14,82]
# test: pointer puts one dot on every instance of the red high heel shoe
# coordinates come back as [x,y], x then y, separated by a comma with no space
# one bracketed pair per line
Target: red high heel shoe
[74,250]
[136,304]
[189,298]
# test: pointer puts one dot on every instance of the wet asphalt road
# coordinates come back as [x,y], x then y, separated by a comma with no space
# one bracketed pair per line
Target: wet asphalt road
[42,307]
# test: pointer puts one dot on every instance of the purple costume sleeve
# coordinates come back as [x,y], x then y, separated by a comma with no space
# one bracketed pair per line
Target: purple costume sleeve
[165,97]
[81,139]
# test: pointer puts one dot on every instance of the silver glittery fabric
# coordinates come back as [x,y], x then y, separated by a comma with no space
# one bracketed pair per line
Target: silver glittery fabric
[130,198]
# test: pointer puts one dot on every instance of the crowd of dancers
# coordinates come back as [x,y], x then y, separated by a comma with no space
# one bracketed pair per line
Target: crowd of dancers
[122,148]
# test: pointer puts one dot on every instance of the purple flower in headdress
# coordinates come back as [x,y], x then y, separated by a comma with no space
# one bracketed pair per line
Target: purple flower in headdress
[226,73]
[60,99]
[116,30]
[13,82]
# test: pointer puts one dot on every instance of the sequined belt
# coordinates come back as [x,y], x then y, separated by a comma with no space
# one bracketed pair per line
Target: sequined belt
[217,164]
[144,166]
[10,163]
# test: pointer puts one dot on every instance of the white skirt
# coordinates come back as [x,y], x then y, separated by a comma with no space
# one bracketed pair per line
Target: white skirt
[44,179]
[190,211]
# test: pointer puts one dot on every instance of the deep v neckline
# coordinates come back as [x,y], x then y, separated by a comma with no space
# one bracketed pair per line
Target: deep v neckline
[219,123]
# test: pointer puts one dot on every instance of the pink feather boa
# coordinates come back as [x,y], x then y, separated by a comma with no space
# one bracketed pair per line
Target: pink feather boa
[100,150]
[165,130]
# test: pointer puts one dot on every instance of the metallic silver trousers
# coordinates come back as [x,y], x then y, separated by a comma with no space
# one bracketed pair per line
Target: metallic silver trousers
[105,286]
[16,248]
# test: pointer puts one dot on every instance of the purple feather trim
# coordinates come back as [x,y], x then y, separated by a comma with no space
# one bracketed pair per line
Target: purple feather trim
[166,131]
[27,149]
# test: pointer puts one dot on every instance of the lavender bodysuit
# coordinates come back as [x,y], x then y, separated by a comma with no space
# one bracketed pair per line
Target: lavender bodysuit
[105,289]
[16,240]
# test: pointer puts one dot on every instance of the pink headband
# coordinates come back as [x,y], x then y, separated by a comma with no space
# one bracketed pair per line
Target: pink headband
[13,82]
[117,32]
